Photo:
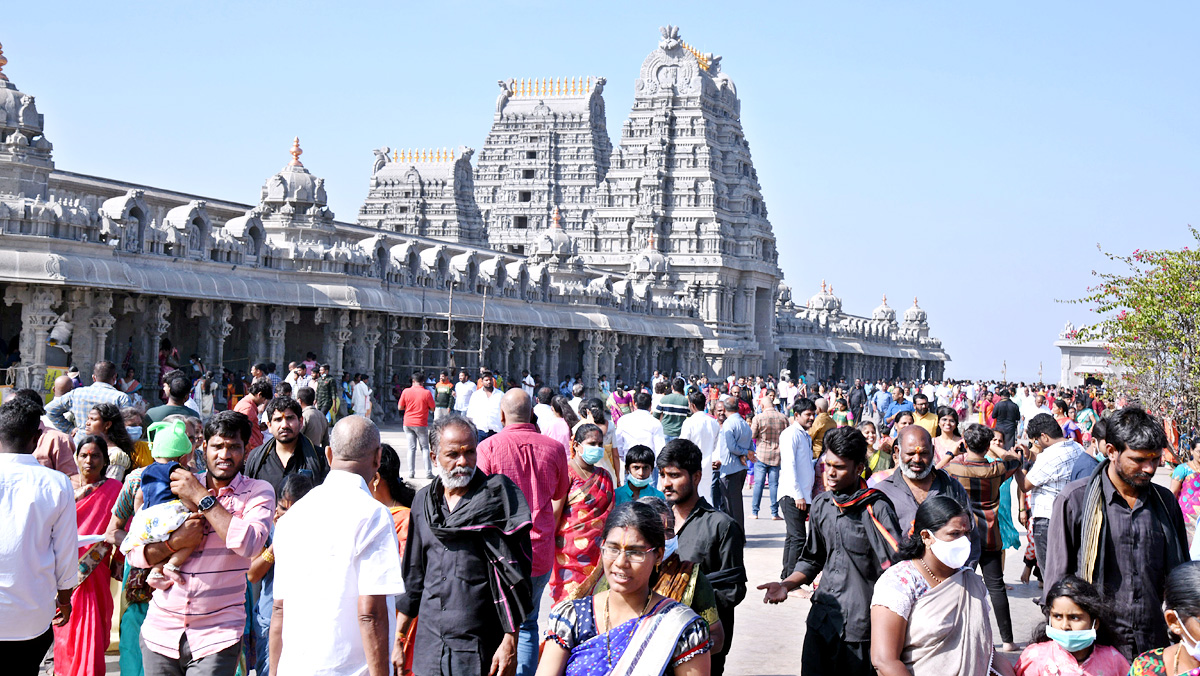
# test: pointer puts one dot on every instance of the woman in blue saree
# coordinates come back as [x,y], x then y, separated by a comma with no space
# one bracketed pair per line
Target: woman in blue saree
[628,629]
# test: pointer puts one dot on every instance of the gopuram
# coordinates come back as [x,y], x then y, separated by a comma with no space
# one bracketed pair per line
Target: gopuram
[549,250]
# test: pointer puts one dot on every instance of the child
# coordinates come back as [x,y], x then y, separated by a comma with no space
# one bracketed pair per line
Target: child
[639,476]
[1076,638]
[159,512]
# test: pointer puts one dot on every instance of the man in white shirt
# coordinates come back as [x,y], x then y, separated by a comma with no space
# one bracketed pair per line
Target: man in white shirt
[576,398]
[639,426]
[702,429]
[1050,473]
[796,474]
[38,543]
[340,612]
[484,409]
[543,411]
[527,383]
[463,390]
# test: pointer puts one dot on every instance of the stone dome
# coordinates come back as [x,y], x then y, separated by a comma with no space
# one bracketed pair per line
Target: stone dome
[294,184]
[17,110]
[914,314]
[825,300]
[649,260]
[884,312]
[554,242]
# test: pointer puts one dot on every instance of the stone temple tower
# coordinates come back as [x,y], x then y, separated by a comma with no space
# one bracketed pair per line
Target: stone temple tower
[25,154]
[683,182]
[548,149]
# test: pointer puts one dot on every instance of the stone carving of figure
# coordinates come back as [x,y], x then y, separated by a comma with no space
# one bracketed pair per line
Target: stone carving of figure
[321,197]
[381,158]
[506,92]
[670,38]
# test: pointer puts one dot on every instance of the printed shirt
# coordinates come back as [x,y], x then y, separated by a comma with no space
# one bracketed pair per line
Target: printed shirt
[209,606]
[982,481]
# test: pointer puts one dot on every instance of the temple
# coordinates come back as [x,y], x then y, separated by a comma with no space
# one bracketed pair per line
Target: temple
[554,252]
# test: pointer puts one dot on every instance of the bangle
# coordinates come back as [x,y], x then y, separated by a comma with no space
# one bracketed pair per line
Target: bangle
[171,549]
[268,556]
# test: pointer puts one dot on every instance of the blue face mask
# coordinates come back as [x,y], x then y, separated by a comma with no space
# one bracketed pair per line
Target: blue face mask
[1072,641]
[591,454]
[672,546]
[135,433]
[640,483]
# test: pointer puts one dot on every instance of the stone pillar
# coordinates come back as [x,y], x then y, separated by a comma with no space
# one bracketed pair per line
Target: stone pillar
[612,349]
[554,343]
[371,335]
[591,361]
[252,316]
[157,310]
[276,331]
[101,324]
[219,330]
[341,335]
[37,319]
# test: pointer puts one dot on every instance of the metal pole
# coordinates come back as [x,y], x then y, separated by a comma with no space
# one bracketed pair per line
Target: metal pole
[450,330]
[482,321]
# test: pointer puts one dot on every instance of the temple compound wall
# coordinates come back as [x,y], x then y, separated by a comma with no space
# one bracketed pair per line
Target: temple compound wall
[553,253]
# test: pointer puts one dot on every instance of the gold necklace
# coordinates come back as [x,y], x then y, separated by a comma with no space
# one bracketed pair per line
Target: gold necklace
[608,624]
[936,580]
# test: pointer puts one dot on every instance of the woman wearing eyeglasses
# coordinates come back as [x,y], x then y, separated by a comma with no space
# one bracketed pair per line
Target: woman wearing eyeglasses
[628,629]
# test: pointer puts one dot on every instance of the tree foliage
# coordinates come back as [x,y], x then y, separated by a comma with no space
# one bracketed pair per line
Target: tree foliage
[1149,318]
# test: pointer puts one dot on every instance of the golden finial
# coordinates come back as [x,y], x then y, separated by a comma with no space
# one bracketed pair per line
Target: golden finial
[452,154]
[296,153]
[589,85]
[395,155]
[824,289]
[556,218]
[885,299]
[914,301]
[560,86]
[652,240]
[3,63]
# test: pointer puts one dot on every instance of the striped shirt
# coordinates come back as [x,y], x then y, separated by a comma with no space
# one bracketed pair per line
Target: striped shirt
[210,604]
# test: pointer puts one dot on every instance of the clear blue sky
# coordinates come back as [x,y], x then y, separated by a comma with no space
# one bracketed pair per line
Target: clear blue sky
[972,154]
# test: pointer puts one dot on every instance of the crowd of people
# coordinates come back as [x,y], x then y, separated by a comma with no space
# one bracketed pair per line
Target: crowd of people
[262,525]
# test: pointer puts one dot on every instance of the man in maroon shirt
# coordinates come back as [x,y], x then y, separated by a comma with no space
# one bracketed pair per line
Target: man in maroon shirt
[415,404]
[538,465]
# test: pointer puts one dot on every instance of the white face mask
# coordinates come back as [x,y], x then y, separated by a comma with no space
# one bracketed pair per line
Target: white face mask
[953,553]
[1194,647]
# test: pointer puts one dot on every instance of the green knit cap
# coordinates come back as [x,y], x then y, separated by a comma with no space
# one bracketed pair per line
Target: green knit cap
[169,439]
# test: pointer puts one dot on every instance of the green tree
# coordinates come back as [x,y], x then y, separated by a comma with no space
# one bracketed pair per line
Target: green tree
[1150,322]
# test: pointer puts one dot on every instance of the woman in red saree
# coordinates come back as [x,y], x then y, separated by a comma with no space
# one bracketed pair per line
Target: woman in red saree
[79,645]
[581,520]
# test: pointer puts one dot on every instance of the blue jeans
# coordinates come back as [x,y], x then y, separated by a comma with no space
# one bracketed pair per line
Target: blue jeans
[761,472]
[527,639]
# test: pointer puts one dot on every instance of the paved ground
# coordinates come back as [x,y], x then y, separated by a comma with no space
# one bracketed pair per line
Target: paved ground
[768,638]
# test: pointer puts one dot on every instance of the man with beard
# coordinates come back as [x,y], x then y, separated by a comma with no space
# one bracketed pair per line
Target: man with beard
[196,626]
[288,451]
[1121,532]
[922,415]
[917,480]
[467,565]
[706,537]
[852,539]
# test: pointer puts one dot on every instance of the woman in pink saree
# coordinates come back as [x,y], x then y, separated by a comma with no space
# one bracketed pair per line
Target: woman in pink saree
[79,645]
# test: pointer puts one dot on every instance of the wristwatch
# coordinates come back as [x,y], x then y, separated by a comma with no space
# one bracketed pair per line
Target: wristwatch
[207,503]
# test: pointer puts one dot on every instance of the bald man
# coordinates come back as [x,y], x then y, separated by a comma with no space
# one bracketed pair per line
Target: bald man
[916,479]
[821,424]
[537,464]
[357,579]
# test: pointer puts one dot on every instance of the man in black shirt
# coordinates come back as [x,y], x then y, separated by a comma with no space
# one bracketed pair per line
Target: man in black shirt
[1007,416]
[289,451]
[1139,531]
[853,535]
[707,537]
